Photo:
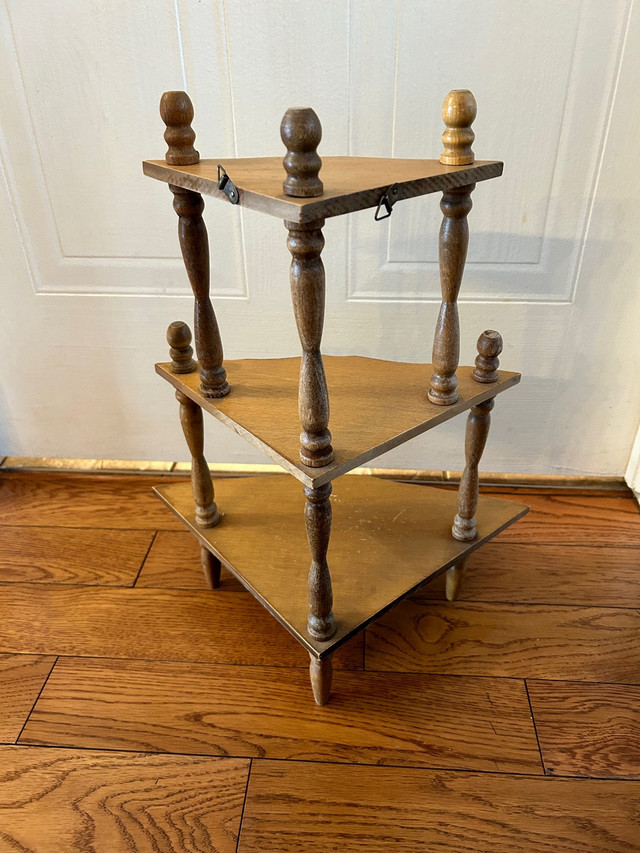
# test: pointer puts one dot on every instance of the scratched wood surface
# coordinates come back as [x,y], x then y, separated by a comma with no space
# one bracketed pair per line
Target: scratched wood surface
[461,726]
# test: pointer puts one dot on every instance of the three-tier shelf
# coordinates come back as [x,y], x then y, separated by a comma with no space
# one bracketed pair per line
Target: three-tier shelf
[372,542]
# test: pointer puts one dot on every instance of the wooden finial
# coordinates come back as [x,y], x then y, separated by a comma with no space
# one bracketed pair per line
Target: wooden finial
[176,111]
[301,132]
[487,362]
[181,352]
[458,112]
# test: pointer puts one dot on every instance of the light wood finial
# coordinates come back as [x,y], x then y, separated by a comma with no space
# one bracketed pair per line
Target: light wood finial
[458,112]
[301,132]
[181,352]
[487,362]
[176,111]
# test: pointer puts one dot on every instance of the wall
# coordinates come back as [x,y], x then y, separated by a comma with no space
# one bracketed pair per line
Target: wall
[92,275]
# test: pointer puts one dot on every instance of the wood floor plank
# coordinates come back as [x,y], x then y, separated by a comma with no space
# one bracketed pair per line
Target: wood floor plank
[520,641]
[296,807]
[588,729]
[174,563]
[373,718]
[21,679]
[546,574]
[83,500]
[63,555]
[577,520]
[207,627]
[64,800]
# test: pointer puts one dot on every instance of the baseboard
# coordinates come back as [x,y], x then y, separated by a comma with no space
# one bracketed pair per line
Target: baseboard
[451,478]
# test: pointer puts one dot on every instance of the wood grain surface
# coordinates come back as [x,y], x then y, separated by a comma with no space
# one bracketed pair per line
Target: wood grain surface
[63,800]
[588,729]
[578,520]
[350,183]
[520,641]
[298,807]
[536,574]
[21,679]
[205,627]
[264,712]
[263,407]
[82,500]
[64,555]
[377,525]
[174,563]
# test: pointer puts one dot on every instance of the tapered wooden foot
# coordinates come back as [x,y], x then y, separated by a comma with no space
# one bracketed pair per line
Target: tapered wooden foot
[321,672]
[211,566]
[453,579]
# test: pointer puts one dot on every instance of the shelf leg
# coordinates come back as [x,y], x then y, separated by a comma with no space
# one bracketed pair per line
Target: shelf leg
[194,244]
[211,567]
[478,422]
[321,672]
[454,240]
[317,514]
[453,578]
[207,514]
[305,242]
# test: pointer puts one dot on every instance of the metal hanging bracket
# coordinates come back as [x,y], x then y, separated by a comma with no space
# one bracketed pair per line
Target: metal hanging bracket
[227,186]
[388,198]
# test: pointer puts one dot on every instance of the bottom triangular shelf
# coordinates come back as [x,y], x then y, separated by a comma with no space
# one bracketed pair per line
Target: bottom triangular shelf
[387,538]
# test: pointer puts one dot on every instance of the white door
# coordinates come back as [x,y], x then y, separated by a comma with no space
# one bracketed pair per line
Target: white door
[91,268]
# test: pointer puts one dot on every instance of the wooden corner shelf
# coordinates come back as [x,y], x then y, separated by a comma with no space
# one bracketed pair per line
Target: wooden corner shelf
[359,542]
[350,183]
[387,539]
[262,406]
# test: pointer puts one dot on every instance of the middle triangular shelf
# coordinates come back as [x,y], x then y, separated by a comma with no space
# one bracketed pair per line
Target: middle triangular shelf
[375,406]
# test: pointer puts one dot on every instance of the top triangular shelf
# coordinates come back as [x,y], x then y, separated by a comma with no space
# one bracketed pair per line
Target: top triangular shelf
[350,183]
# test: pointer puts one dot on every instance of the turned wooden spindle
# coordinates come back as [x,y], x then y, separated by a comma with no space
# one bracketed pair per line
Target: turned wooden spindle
[207,514]
[454,240]
[317,516]
[194,244]
[321,672]
[176,111]
[478,422]
[305,242]
[181,352]
[211,567]
[487,361]
[458,113]
[301,132]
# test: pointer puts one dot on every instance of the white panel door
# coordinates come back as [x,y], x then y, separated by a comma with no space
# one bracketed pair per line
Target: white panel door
[91,268]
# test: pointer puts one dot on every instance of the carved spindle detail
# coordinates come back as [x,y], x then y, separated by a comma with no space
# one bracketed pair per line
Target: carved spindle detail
[194,244]
[176,111]
[478,422]
[181,352]
[207,514]
[321,672]
[211,567]
[305,243]
[317,515]
[454,240]
[458,112]
[301,132]
[487,361]
[453,579]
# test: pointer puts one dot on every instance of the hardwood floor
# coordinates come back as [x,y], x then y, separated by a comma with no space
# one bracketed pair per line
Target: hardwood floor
[141,711]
